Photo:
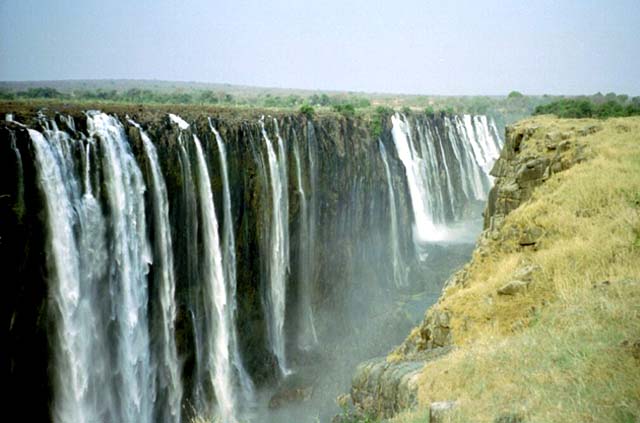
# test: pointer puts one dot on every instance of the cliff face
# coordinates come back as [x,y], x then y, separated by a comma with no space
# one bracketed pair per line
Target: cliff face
[338,273]
[349,201]
[558,222]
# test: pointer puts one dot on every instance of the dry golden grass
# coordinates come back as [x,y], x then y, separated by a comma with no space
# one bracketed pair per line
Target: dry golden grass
[557,352]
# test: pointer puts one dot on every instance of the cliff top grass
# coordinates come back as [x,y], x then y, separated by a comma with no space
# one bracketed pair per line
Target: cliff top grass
[567,349]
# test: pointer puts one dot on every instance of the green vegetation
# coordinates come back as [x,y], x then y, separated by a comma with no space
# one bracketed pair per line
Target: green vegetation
[505,109]
[377,117]
[346,110]
[307,110]
[598,106]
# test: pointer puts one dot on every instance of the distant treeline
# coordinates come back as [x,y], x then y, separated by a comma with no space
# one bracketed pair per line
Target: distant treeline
[206,97]
[597,106]
[504,109]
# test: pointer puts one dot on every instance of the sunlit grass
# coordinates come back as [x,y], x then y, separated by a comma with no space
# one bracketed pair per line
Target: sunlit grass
[556,353]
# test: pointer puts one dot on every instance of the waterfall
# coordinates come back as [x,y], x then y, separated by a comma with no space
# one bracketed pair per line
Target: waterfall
[81,389]
[128,269]
[312,210]
[216,303]
[278,248]
[19,207]
[399,273]
[162,309]
[229,260]
[166,360]
[307,337]
[441,184]
[424,226]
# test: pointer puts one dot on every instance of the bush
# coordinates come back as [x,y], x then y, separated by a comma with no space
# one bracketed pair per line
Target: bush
[346,110]
[307,110]
[584,108]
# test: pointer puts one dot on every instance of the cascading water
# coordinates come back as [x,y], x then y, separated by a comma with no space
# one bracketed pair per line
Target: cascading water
[164,346]
[20,174]
[128,269]
[424,226]
[81,386]
[441,184]
[399,268]
[229,260]
[278,249]
[190,241]
[216,303]
[146,303]
[307,336]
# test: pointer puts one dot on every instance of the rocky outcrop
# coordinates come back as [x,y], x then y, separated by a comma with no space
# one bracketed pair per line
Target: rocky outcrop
[530,156]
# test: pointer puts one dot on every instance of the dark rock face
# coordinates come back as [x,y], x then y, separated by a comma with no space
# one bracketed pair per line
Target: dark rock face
[351,201]
[25,311]
[352,270]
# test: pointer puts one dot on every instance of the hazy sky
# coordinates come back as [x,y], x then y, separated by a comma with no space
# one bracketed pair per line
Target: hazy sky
[418,46]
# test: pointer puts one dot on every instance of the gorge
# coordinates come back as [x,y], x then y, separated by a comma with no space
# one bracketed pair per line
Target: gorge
[165,265]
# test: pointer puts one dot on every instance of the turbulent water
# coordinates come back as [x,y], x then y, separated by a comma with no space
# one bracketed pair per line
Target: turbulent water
[399,268]
[194,266]
[245,392]
[278,263]
[164,345]
[308,338]
[441,183]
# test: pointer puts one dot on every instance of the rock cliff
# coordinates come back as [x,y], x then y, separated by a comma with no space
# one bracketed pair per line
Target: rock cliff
[504,285]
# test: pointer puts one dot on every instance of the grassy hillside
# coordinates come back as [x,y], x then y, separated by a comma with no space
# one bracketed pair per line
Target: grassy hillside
[566,348]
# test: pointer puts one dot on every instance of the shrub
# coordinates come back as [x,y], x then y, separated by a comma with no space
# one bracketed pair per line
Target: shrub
[307,110]
[346,110]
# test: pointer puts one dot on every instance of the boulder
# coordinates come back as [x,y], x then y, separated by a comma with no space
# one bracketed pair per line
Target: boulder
[530,236]
[513,287]
[440,412]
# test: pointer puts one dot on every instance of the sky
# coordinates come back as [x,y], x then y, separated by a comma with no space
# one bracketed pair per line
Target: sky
[488,47]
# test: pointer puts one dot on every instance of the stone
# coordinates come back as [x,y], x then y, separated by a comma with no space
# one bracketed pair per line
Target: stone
[532,170]
[513,287]
[440,412]
[286,396]
[633,347]
[556,167]
[509,418]
[525,273]
[591,129]
[380,389]
[530,236]
[564,145]
[553,137]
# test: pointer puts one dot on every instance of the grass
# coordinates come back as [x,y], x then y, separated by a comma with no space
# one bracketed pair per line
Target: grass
[556,353]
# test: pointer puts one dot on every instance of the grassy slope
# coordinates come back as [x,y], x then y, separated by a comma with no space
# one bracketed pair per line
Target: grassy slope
[563,351]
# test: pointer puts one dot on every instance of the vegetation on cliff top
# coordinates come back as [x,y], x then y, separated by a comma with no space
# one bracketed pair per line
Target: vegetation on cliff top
[510,108]
[598,106]
[567,348]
